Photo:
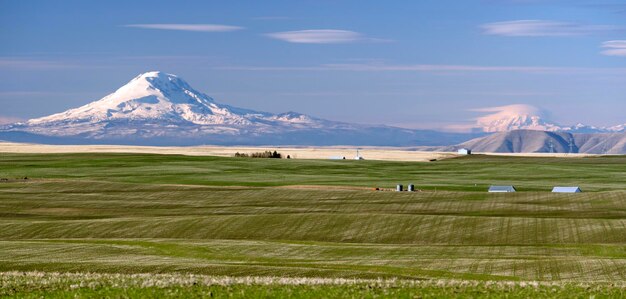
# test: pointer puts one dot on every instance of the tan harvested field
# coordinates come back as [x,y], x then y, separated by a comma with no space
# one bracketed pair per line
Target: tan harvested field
[370,153]
[323,152]
[540,155]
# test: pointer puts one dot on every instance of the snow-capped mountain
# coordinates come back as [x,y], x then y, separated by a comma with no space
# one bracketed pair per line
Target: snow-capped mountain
[513,117]
[526,117]
[618,128]
[160,108]
[154,103]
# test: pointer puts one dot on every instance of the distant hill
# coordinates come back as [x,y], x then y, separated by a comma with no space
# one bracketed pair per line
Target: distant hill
[532,141]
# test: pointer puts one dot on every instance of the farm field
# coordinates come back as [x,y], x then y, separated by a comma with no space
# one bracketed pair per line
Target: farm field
[123,214]
[303,152]
[322,152]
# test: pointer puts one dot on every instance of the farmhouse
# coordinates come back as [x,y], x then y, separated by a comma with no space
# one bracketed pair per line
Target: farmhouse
[464,151]
[566,190]
[502,189]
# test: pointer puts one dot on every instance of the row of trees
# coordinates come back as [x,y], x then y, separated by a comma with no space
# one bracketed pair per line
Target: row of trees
[265,154]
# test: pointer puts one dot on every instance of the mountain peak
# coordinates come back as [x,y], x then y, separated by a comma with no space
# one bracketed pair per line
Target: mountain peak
[513,117]
[156,104]
[159,78]
[149,97]
[156,74]
[156,81]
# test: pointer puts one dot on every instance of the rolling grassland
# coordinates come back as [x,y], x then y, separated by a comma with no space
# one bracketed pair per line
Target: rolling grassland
[306,220]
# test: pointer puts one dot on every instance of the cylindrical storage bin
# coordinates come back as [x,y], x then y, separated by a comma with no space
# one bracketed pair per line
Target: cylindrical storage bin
[399,187]
[410,188]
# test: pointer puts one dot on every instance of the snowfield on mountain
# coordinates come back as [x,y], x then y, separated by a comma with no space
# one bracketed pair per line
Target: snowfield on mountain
[156,98]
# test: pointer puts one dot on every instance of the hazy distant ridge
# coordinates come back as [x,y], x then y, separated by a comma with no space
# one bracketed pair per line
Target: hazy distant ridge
[532,141]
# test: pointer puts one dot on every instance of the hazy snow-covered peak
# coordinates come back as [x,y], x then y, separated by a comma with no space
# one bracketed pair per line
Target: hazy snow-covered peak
[527,117]
[513,117]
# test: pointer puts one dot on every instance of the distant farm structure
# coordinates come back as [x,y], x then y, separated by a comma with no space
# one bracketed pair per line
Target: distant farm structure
[497,189]
[464,151]
[357,157]
[573,189]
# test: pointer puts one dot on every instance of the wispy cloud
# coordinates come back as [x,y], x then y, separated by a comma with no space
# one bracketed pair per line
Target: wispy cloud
[434,68]
[618,8]
[512,110]
[322,36]
[188,27]
[614,48]
[271,18]
[545,28]
[17,94]
[36,64]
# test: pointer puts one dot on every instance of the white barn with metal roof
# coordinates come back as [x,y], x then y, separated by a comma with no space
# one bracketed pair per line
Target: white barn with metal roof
[566,189]
[502,189]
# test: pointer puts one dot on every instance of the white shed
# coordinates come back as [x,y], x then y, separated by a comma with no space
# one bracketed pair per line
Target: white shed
[502,189]
[464,151]
[574,189]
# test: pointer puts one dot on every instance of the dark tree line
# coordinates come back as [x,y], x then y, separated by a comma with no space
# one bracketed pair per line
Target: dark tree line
[265,154]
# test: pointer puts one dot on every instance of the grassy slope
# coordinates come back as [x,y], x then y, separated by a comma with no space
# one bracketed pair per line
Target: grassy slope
[151,213]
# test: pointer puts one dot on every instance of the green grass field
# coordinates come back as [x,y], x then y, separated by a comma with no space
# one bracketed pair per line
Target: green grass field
[238,217]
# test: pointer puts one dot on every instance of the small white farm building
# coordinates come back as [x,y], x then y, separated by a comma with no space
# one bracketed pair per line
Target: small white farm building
[464,151]
[502,189]
[566,190]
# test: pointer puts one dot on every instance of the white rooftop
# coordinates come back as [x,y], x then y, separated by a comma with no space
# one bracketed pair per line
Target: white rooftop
[566,189]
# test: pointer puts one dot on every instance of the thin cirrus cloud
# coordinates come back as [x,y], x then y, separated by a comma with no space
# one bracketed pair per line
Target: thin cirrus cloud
[34,64]
[614,48]
[432,68]
[188,27]
[322,36]
[544,28]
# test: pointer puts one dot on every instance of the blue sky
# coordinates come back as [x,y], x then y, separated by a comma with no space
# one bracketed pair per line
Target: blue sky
[418,64]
